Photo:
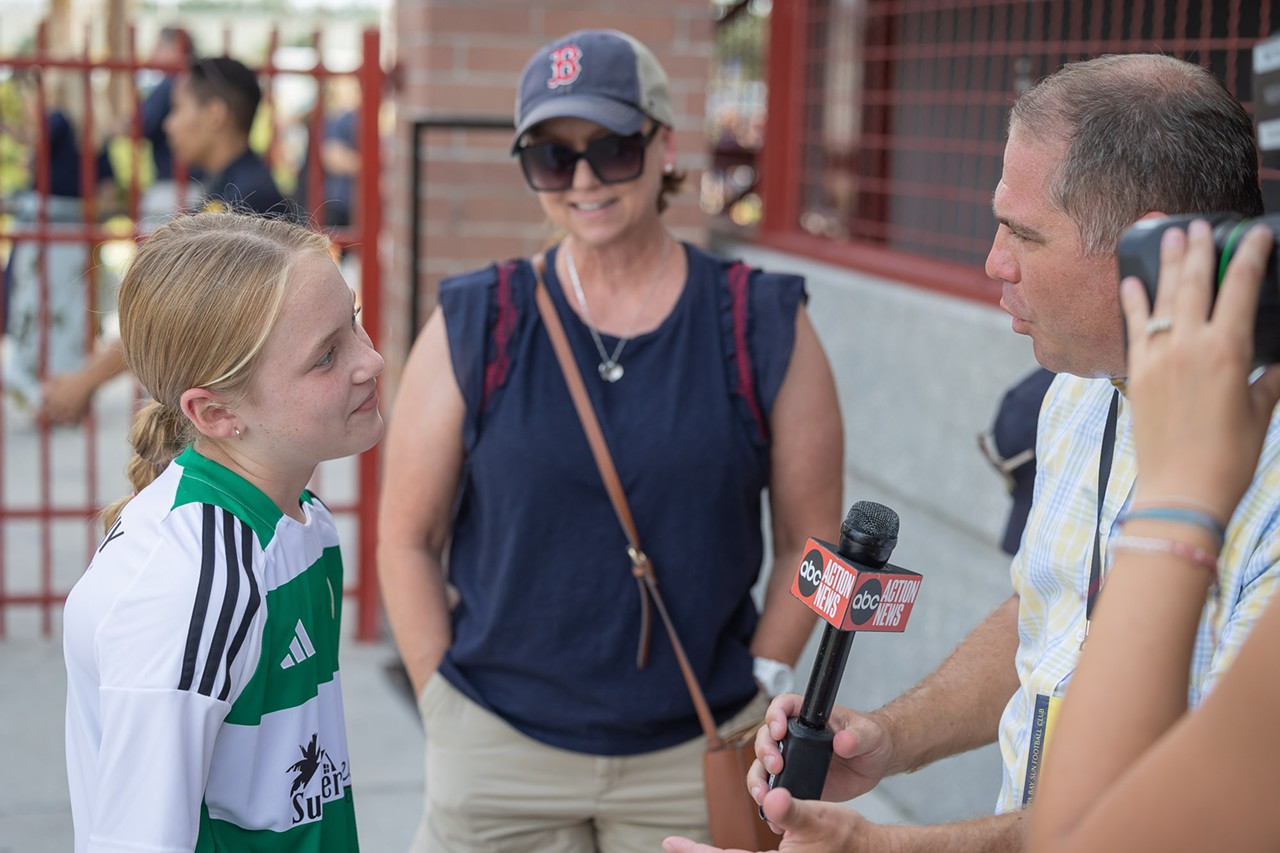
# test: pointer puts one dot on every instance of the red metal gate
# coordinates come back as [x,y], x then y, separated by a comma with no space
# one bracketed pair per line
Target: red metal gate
[54,481]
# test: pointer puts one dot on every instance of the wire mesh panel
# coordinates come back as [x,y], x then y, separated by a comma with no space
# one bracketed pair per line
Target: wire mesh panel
[905,103]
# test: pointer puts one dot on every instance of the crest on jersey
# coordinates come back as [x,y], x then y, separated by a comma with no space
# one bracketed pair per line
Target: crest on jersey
[319,780]
[566,65]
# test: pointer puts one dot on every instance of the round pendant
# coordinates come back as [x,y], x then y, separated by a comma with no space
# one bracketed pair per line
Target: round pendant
[610,371]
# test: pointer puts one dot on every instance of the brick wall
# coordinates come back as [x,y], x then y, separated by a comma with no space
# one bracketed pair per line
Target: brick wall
[463,58]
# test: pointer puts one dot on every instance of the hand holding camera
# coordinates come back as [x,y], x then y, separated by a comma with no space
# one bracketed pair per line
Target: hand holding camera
[1198,421]
[1139,254]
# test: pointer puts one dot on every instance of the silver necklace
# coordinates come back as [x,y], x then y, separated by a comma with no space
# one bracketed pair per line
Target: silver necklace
[609,368]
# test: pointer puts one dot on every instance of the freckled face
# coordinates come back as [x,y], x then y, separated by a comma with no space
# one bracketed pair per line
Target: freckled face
[1067,302]
[315,396]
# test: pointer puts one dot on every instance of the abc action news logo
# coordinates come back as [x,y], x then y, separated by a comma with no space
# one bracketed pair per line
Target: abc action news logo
[853,597]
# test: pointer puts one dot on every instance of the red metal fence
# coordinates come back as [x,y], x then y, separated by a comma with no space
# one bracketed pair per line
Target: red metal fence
[887,118]
[53,481]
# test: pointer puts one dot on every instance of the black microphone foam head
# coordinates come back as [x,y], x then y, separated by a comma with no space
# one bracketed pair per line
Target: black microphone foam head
[869,533]
[872,520]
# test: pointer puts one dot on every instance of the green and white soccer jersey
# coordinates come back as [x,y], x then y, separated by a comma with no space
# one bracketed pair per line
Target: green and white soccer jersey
[204,707]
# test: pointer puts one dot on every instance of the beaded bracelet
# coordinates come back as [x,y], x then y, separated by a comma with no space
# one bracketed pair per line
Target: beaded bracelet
[1192,553]
[1180,515]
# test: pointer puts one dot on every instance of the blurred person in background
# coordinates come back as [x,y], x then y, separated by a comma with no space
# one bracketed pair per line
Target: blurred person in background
[339,156]
[49,336]
[162,197]
[214,104]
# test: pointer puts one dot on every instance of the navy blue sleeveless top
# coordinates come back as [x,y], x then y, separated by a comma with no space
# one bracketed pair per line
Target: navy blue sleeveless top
[546,631]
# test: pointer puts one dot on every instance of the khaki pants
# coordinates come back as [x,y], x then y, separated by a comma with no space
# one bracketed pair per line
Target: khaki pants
[491,788]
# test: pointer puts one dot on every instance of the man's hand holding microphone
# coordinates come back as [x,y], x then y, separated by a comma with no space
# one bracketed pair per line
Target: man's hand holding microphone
[834,753]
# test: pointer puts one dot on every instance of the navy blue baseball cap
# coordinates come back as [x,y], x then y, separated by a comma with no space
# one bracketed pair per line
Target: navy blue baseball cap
[603,76]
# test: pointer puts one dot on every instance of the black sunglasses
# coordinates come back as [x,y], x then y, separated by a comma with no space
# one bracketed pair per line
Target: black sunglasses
[549,166]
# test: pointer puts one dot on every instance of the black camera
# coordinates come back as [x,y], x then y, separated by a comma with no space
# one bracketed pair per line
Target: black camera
[1139,255]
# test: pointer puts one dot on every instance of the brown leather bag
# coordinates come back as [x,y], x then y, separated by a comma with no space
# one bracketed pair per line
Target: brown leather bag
[731,813]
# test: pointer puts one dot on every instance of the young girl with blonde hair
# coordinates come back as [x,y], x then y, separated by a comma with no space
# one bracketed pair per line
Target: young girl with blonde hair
[204,707]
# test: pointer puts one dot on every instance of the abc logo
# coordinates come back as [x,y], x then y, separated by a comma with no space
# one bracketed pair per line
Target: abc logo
[865,601]
[810,573]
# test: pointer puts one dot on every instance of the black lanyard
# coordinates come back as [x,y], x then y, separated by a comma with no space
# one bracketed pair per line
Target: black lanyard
[1104,474]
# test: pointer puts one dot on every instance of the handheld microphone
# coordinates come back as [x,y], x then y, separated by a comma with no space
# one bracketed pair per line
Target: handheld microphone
[853,588]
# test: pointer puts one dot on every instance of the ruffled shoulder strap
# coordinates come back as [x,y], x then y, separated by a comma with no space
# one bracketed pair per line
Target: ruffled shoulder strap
[757,324]
[503,326]
[742,377]
[483,310]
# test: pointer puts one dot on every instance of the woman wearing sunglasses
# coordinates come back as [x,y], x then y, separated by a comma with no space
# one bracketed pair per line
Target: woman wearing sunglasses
[544,732]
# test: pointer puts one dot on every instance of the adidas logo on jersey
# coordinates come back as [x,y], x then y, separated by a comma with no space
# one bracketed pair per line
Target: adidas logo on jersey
[300,649]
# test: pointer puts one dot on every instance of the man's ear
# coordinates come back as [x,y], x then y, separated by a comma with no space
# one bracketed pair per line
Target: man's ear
[1152,214]
[209,414]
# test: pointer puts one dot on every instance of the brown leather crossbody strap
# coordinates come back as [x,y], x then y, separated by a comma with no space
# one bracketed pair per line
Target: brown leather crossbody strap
[641,567]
